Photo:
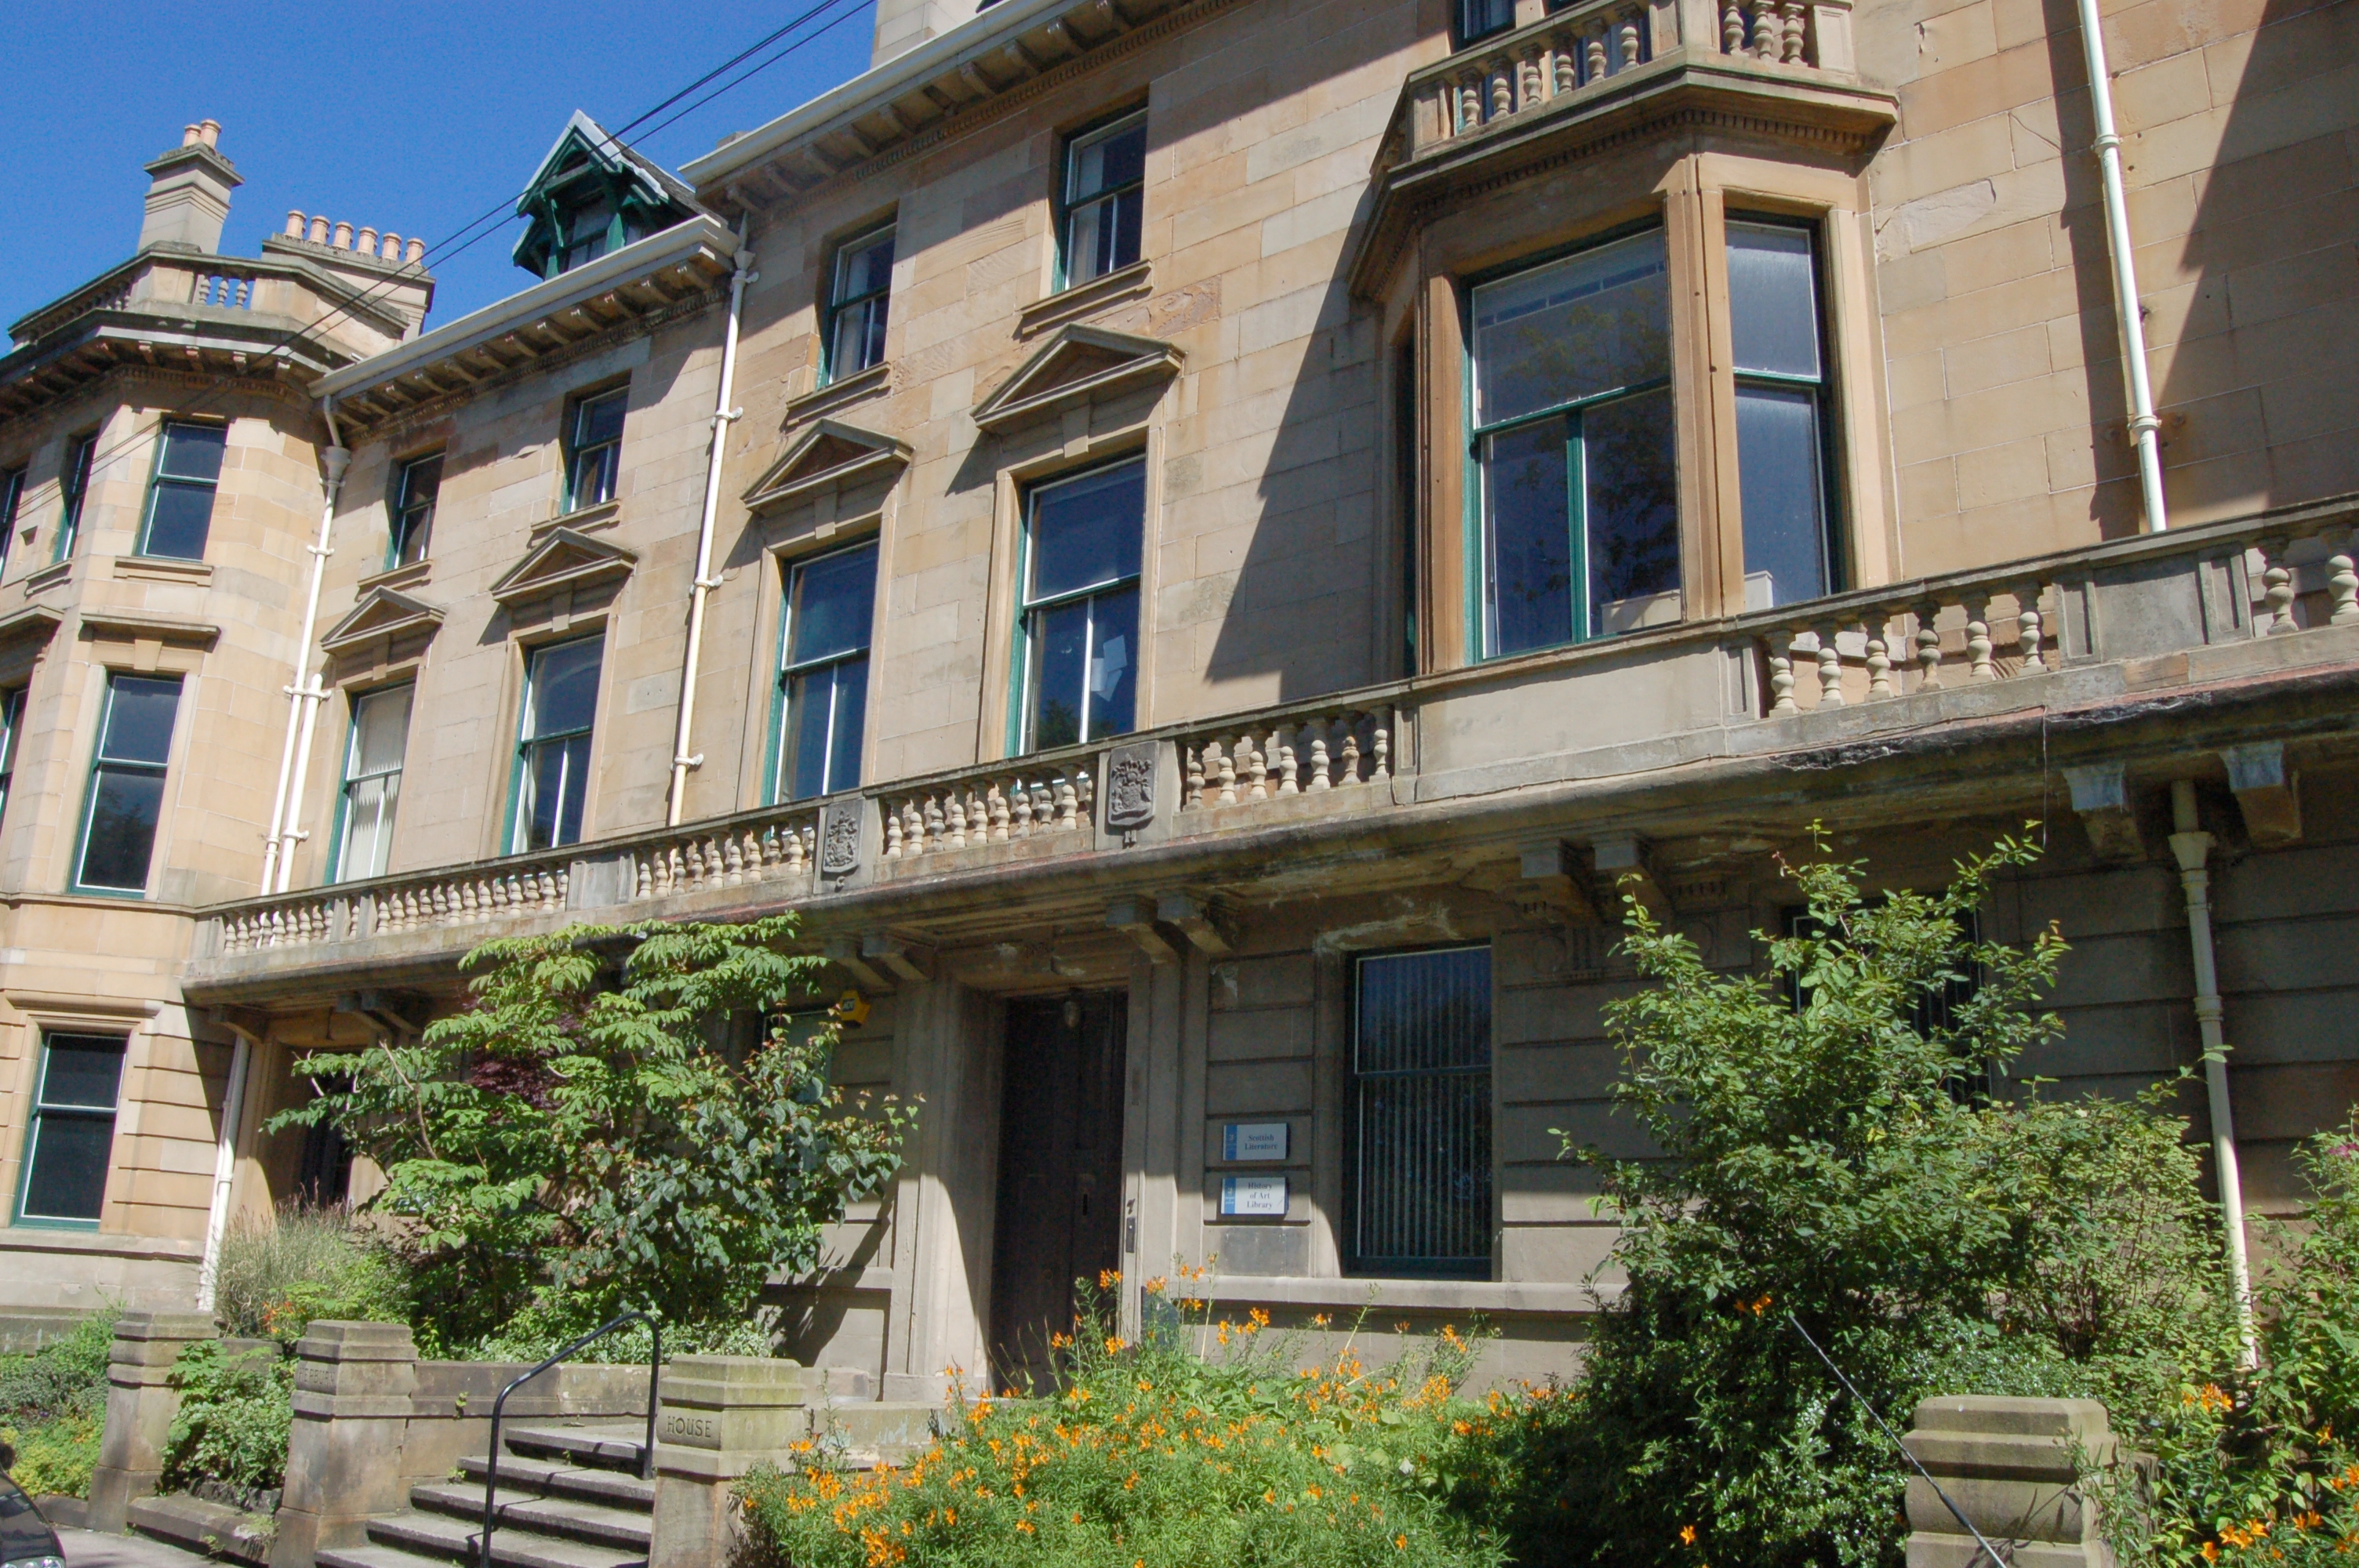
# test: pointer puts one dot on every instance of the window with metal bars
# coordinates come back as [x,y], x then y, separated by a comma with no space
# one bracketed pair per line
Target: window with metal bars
[1935,1011]
[1421,1117]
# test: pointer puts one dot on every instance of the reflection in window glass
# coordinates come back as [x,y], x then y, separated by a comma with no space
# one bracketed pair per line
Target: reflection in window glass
[12,724]
[181,495]
[561,706]
[373,757]
[12,495]
[413,510]
[1106,184]
[824,679]
[1781,391]
[72,1132]
[1422,1113]
[1481,18]
[126,782]
[1083,538]
[1578,470]
[861,290]
[594,450]
[74,488]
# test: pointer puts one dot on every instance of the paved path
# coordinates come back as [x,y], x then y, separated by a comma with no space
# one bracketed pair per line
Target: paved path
[89,1548]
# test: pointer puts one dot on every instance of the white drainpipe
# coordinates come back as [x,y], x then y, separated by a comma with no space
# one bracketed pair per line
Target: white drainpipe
[704,583]
[303,697]
[241,1063]
[2193,847]
[2143,427]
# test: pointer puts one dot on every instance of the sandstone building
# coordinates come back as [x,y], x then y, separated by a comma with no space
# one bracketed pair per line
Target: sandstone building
[1235,523]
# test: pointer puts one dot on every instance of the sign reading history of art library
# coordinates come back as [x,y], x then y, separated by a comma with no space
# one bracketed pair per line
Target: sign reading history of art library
[1251,1141]
[1253,1198]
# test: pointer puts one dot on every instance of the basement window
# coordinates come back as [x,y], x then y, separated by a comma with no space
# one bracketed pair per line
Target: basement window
[1421,1115]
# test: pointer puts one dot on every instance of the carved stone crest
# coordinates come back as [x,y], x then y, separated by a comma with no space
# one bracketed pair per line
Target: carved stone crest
[1130,787]
[839,839]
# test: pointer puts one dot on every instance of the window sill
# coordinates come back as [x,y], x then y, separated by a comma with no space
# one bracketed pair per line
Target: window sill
[53,1230]
[836,394]
[84,1236]
[48,577]
[1511,1298]
[414,575]
[1117,288]
[162,568]
[582,520]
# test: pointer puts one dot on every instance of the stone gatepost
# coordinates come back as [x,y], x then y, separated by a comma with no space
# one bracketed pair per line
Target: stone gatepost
[353,1388]
[2013,1467]
[140,1405]
[719,1416]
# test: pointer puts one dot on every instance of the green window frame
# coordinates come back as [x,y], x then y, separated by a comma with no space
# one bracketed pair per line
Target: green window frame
[179,517]
[1785,453]
[375,747]
[417,487]
[73,489]
[12,497]
[124,805]
[1573,498]
[556,727]
[70,1137]
[12,724]
[1420,1118]
[1102,200]
[823,697]
[859,297]
[1479,19]
[1077,656]
[594,446]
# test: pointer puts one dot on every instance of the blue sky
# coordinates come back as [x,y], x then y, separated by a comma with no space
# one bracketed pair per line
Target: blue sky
[416,117]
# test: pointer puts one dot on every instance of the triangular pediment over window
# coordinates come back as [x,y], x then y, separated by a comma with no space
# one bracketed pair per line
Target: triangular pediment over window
[381,614]
[563,562]
[1077,363]
[826,455]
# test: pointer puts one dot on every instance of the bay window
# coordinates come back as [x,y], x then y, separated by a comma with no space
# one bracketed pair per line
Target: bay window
[1781,415]
[125,799]
[1574,449]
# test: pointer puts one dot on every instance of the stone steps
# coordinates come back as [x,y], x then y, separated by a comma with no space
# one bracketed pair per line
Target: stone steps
[570,1496]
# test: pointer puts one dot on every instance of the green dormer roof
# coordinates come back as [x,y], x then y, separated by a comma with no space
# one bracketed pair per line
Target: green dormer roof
[593,194]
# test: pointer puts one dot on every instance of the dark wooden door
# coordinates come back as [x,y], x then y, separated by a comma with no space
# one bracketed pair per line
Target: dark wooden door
[1059,1174]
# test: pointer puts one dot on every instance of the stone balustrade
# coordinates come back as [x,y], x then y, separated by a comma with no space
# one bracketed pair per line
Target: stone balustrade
[2305,576]
[224,290]
[1846,652]
[1305,753]
[1005,802]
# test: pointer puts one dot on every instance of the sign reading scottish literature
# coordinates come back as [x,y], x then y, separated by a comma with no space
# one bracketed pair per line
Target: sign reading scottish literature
[1253,1198]
[1253,1140]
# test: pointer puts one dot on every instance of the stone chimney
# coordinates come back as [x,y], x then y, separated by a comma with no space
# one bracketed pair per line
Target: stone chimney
[188,194]
[903,25]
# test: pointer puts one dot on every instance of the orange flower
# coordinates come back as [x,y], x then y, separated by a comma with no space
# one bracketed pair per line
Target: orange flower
[1687,1535]
[1109,1278]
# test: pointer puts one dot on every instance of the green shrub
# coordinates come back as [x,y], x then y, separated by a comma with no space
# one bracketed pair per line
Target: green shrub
[234,1415]
[555,1318]
[578,1129]
[1156,1455]
[53,1407]
[276,1274]
[1832,1159]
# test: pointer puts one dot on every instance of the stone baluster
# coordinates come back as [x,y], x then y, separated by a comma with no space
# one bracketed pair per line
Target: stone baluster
[2276,587]
[2029,631]
[1778,650]
[1978,639]
[1286,766]
[1256,771]
[1879,656]
[1928,617]
[1195,793]
[1732,29]
[1317,730]
[1564,71]
[1627,35]
[1503,88]
[1383,744]
[1597,64]
[2342,577]
[1470,102]
[1789,43]
[1068,805]
[1226,763]
[1347,764]
[1830,692]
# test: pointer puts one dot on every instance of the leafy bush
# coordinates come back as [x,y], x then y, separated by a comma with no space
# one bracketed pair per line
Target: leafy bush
[53,1407]
[1155,1454]
[274,1275]
[234,1415]
[2256,1465]
[1830,1164]
[578,1129]
[555,1318]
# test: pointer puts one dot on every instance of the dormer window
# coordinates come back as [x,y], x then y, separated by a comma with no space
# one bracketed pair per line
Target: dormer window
[593,195]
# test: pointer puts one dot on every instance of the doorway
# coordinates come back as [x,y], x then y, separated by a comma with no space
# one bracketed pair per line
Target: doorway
[1059,1215]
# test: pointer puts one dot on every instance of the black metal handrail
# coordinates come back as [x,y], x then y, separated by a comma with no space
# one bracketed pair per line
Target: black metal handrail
[647,1454]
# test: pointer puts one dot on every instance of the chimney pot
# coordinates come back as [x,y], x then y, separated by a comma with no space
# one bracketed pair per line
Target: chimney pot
[343,239]
[189,136]
[367,241]
[416,251]
[392,251]
[319,230]
[294,225]
[208,132]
